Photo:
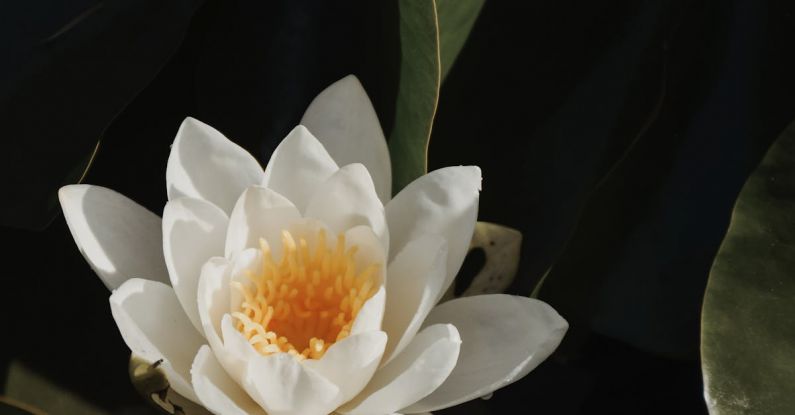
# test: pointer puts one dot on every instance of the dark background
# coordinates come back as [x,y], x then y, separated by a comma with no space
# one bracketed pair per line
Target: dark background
[614,134]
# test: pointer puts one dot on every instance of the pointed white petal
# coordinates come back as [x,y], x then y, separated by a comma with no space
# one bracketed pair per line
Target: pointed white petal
[216,390]
[343,119]
[259,213]
[118,237]
[298,166]
[504,338]
[443,202]
[193,232]
[351,362]
[415,279]
[412,375]
[348,199]
[283,386]
[204,164]
[154,326]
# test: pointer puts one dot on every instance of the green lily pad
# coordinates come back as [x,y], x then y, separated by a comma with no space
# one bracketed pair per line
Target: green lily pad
[432,34]
[747,330]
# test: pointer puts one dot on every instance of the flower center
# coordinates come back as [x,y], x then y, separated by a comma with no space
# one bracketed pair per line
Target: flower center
[305,302]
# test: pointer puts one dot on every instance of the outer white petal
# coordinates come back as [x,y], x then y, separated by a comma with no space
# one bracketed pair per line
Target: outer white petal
[283,386]
[348,199]
[154,326]
[421,368]
[259,213]
[443,202]
[204,164]
[216,390]
[193,232]
[343,119]
[298,166]
[351,362]
[504,338]
[118,237]
[415,279]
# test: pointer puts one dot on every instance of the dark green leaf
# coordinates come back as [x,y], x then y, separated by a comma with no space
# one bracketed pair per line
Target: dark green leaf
[432,34]
[456,18]
[418,91]
[747,330]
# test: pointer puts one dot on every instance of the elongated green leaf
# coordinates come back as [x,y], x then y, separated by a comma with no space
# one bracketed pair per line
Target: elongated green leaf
[748,335]
[418,91]
[432,34]
[456,18]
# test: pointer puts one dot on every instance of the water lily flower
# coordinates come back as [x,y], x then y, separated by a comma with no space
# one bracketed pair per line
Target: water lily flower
[304,288]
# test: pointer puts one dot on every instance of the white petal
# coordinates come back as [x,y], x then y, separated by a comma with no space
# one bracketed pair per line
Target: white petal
[213,298]
[153,326]
[204,164]
[415,279]
[351,362]
[193,232]
[343,119]
[234,342]
[283,386]
[298,166]
[118,237]
[443,202]
[371,315]
[248,260]
[421,368]
[259,213]
[348,199]
[369,252]
[369,249]
[504,338]
[236,350]
[216,390]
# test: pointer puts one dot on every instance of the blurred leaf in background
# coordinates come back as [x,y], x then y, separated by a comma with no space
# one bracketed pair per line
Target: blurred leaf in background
[747,330]
[70,69]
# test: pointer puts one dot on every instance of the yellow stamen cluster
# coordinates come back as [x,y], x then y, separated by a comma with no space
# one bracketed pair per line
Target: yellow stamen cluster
[305,302]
